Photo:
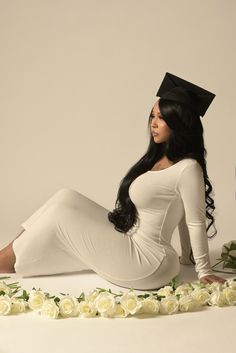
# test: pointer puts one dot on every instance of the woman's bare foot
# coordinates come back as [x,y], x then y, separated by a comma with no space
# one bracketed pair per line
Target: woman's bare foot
[7,258]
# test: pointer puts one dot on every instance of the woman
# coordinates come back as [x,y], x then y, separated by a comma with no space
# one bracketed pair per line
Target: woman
[130,246]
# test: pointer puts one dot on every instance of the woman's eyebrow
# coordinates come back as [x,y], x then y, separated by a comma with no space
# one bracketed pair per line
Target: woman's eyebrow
[152,112]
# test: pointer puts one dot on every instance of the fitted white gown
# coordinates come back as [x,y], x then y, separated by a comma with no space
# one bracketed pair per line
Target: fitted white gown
[71,232]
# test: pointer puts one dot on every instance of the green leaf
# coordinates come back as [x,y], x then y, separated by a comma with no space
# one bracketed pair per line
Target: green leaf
[15,291]
[233,246]
[25,295]
[101,289]
[56,300]
[13,283]
[2,278]
[144,296]
[159,297]
[81,297]
[233,258]
[202,285]
[230,265]
[174,282]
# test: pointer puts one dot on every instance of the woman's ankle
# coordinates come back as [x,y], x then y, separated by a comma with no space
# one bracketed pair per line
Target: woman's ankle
[7,270]
[7,259]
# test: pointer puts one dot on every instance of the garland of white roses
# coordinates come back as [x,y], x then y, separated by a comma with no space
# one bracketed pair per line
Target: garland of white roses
[169,299]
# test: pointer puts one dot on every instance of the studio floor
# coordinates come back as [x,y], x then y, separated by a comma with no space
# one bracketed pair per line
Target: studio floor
[211,328]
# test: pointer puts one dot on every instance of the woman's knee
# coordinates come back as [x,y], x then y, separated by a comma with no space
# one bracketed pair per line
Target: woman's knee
[65,195]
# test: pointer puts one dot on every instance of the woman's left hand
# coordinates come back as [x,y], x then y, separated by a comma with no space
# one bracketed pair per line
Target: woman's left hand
[212,278]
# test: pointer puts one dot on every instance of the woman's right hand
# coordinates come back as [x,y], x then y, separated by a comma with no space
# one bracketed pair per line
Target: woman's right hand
[211,279]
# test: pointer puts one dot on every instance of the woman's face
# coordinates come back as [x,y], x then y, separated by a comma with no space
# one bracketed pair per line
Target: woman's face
[159,129]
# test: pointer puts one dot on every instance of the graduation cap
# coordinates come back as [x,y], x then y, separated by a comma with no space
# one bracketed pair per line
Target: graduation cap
[176,89]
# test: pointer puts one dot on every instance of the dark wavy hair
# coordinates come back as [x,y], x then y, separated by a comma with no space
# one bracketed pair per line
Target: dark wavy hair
[185,141]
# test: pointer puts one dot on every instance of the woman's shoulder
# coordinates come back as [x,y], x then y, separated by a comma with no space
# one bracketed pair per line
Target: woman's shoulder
[188,168]
[187,162]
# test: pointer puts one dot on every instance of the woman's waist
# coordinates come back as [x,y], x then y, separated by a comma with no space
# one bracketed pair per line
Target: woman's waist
[154,242]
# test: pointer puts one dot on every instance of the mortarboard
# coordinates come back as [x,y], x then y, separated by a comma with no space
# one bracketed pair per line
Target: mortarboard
[179,90]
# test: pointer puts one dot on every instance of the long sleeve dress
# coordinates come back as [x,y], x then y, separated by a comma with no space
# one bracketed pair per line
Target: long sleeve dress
[71,232]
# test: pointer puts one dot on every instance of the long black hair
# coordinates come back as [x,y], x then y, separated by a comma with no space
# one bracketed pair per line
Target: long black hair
[185,141]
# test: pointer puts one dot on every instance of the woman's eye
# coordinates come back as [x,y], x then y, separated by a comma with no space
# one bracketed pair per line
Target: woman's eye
[158,116]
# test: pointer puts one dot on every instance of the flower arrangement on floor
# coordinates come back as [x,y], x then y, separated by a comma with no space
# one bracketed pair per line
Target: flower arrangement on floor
[227,258]
[169,299]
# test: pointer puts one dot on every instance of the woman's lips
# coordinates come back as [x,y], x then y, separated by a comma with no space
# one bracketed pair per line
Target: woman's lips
[154,134]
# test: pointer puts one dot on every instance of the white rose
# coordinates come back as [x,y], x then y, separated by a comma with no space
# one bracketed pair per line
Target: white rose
[228,245]
[217,298]
[165,291]
[188,303]
[232,253]
[4,288]
[183,289]
[150,305]
[214,286]
[105,303]
[201,295]
[93,294]
[5,304]
[17,305]
[197,285]
[169,305]
[230,295]
[231,283]
[130,302]
[87,309]
[118,311]
[36,299]
[69,306]
[49,309]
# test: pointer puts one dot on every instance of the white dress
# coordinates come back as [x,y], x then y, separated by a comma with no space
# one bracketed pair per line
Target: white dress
[71,232]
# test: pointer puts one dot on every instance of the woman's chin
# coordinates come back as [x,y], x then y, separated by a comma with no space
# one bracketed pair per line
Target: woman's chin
[156,139]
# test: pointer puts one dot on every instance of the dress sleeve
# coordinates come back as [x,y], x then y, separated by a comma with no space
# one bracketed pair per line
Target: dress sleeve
[191,187]
[184,242]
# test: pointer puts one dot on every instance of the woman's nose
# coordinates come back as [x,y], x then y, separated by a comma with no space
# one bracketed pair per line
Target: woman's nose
[154,124]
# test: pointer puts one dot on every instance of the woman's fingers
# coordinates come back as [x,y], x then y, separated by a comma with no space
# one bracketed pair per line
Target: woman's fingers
[212,278]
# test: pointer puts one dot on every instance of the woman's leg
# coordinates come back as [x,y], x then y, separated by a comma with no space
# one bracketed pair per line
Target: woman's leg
[45,248]
[7,258]
[62,197]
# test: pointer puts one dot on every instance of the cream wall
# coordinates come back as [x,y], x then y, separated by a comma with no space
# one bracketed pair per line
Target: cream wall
[78,80]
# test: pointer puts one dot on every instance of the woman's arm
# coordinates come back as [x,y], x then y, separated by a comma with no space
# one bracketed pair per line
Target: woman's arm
[191,188]
[184,242]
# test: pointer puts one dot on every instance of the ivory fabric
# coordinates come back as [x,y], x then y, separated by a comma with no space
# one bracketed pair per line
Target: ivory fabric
[70,232]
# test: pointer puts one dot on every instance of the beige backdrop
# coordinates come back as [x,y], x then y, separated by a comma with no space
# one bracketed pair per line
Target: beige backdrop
[78,80]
